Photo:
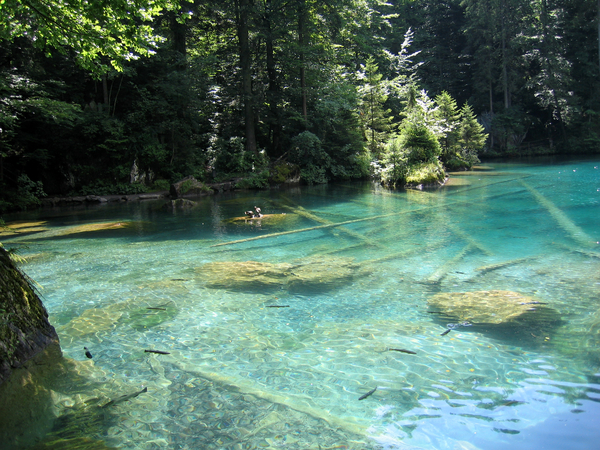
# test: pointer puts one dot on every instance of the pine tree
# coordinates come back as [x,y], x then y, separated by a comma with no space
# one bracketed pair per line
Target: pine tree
[471,135]
[376,119]
[448,117]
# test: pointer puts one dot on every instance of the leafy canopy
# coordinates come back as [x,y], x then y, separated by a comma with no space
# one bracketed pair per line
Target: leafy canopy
[117,30]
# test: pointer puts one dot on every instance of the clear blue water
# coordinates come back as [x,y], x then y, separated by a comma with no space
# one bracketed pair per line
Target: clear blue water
[242,375]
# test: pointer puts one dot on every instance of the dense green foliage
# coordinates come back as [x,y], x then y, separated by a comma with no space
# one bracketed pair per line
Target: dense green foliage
[274,89]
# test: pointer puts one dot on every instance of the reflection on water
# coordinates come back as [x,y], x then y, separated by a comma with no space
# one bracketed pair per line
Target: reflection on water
[271,331]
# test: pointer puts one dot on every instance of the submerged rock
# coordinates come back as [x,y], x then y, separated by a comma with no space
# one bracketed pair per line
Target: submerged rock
[94,320]
[304,275]
[243,276]
[144,318]
[130,312]
[323,274]
[493,307]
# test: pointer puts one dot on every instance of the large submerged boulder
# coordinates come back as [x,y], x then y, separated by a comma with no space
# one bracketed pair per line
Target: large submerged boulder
[495,307]
[261,277]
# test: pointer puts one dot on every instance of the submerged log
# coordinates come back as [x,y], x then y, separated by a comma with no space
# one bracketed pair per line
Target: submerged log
[441,273]
[302,230]
[576,233]
[468,238]
[334,225]
[304,213]
[501,265]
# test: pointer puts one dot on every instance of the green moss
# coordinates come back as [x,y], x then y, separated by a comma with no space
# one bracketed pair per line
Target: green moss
[283,172]
[193,184]
[20,308]
[426,173]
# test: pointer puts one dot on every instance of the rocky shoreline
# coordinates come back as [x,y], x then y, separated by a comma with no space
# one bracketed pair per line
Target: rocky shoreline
[213,188]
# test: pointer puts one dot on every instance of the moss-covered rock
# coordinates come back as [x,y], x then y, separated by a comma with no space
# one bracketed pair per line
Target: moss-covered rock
[244,276]
[29,347]
[493,307]
[189,186]
[24,327]
[260,277]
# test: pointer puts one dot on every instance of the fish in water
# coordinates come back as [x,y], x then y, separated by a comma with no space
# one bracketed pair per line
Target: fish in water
[124,398]
[157,308]
[410,352]
[446,332]
[160,352]
[362,397]
[278,306]
[87,353]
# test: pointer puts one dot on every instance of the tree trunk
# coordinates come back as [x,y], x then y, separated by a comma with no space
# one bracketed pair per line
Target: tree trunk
[301,44]
[550,69]
[179,37]
[491,89]
[243,12]
[105,94]
[273,90]
[505,64]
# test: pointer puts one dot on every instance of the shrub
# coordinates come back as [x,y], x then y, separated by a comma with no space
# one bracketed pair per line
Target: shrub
[255,181]
[161,185]
[309,155]
[282,172]
[24,195]
[395,164]
[107,188]
[420,143]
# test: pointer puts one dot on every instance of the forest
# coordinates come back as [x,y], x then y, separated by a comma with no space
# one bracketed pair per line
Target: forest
[118,97]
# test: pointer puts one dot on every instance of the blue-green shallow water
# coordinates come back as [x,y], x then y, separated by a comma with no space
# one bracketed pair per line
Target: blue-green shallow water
[241,375]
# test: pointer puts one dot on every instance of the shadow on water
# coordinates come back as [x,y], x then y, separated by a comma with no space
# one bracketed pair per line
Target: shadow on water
[528,331]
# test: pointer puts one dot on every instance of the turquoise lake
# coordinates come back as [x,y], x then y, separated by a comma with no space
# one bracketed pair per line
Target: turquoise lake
[275,328]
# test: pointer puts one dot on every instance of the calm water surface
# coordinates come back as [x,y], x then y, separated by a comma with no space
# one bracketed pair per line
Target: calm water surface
[276,328]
